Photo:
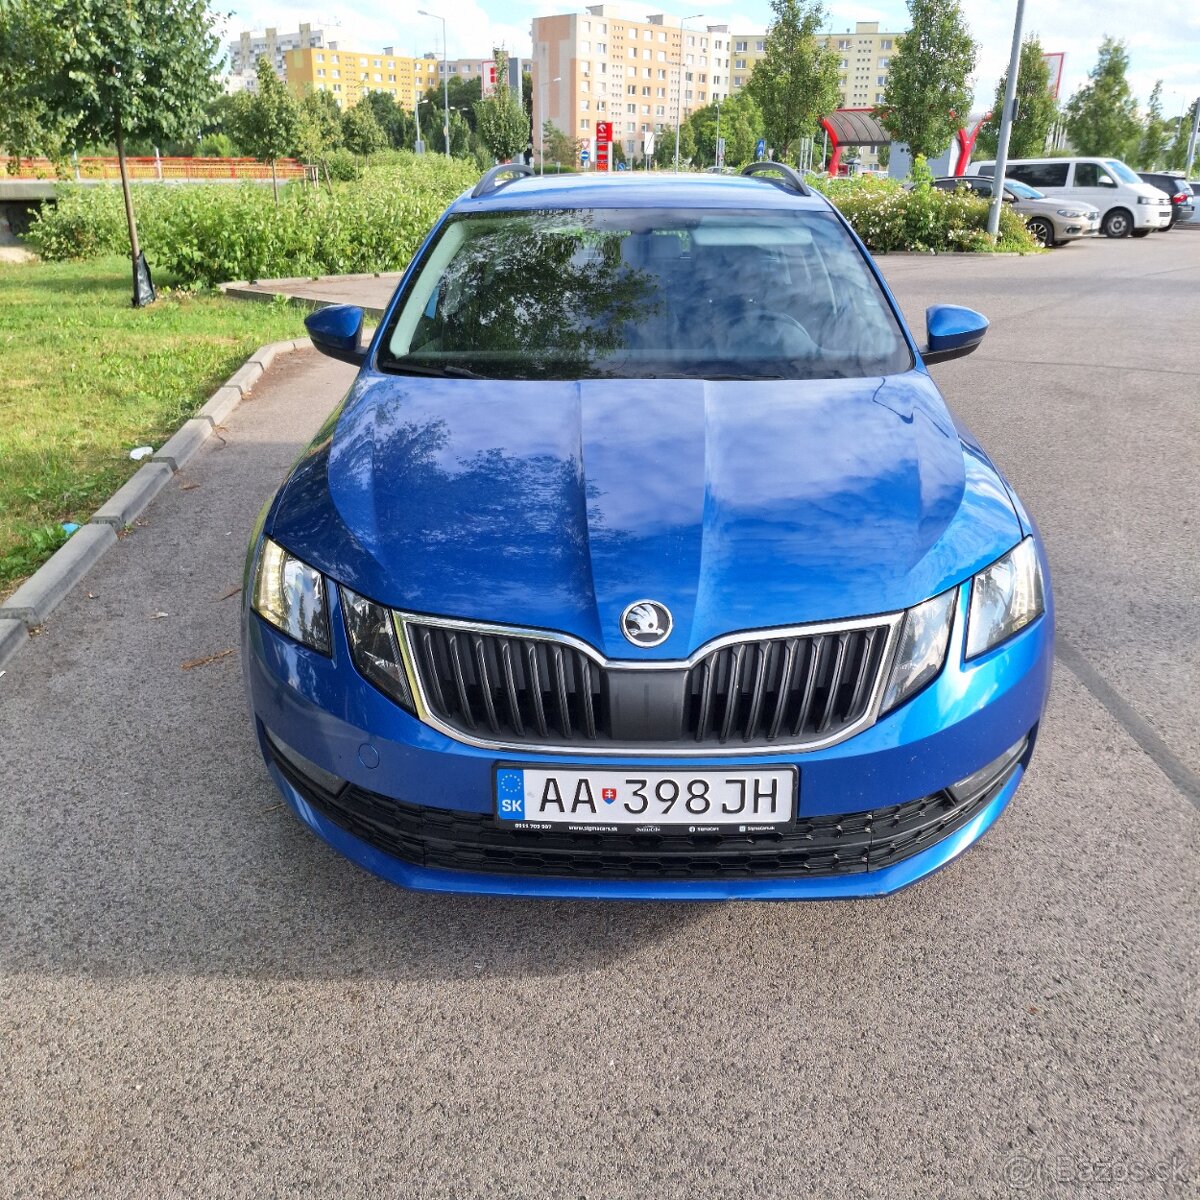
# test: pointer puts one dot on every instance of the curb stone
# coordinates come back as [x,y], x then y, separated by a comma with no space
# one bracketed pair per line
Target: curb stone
[13,636]
[129,500]
[52,582]
[47,587]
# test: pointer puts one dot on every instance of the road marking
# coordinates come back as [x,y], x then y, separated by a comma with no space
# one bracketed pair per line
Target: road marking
[1134,724]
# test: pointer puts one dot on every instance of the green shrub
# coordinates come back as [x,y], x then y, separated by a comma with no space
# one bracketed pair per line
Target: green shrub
[344,166]
[205,234]
[887,217]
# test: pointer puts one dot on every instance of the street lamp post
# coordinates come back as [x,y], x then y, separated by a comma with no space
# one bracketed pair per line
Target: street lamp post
[717,148]
[1006,120]
[542,123]
[679,78]
[445,80]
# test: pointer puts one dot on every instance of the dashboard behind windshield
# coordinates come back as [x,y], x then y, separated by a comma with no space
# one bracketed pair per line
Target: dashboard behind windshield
[640,293]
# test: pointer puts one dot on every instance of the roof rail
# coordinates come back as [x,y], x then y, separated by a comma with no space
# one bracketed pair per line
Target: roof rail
[788,177]
[489,182]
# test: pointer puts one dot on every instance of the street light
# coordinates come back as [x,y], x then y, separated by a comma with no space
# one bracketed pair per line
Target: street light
[542,123]
[445,79]
[679,77]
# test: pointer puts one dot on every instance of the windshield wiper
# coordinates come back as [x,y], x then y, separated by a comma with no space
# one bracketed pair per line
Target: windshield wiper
[445,370]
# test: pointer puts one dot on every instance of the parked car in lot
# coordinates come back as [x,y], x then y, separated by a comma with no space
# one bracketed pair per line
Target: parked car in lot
[644,559]
[1194,219]
[1127,205]
[1052,222]
[1178,191]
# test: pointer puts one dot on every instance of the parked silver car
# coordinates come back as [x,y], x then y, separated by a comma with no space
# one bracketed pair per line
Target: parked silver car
[1051,221]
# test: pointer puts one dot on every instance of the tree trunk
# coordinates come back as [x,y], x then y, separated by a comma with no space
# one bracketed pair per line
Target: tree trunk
[274,183]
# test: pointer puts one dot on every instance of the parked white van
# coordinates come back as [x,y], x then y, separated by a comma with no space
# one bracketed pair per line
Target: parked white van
[1127,205]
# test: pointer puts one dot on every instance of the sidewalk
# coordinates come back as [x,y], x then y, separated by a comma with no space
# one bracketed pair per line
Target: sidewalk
[372,292]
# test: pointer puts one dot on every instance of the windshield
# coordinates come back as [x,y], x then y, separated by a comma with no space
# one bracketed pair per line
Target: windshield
[644,293]
[1121,171]
[1023,190]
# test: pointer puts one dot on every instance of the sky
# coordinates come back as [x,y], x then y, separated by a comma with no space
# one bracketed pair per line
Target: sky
[1163,37]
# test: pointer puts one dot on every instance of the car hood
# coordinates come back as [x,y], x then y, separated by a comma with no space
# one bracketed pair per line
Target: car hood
[557,504]
[1049,206]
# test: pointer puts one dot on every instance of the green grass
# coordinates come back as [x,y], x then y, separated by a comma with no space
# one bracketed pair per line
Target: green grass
[84,378]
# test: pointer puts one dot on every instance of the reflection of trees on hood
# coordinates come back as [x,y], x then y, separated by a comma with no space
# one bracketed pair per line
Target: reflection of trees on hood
[542,295]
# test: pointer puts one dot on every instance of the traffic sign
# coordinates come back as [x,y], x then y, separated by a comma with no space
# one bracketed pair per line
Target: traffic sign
[720,152]
[584,156]
[760,149]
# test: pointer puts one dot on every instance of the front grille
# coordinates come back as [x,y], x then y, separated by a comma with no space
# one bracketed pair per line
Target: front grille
[468,841]
[519,688]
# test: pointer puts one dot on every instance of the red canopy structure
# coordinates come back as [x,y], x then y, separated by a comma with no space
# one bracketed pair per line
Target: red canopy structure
[852,127]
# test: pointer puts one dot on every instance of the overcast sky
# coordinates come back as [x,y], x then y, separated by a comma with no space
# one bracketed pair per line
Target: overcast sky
[1163,36]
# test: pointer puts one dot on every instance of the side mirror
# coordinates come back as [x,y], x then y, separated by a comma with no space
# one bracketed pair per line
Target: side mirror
[337,331]
[952,332]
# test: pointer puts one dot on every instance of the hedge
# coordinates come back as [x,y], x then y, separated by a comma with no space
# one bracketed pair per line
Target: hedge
[206,234]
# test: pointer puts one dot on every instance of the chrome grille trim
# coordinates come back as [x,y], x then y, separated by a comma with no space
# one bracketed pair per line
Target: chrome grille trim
[770,711]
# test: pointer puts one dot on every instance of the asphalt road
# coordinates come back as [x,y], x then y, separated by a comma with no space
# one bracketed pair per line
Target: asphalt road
[197,998]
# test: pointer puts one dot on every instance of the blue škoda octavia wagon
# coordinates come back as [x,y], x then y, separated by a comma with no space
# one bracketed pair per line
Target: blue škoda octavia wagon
[644,559]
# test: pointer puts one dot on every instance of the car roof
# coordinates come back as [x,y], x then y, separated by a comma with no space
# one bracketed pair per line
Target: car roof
[641,189]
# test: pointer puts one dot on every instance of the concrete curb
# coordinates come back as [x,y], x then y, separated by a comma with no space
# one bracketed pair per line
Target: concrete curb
[30,605]
[128,501]
[46,588]
[13,636]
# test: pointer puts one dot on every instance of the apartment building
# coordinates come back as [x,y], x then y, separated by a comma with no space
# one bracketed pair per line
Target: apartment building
[245,50]
[350,74]
[599,65]
[864,57]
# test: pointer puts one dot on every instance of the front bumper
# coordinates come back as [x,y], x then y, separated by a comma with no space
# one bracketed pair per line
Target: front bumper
[886,775]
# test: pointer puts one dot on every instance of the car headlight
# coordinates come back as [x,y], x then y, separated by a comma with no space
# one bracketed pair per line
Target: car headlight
[1069,212]
[371,632]
[291,596]
[1005,597]
[924,637]
[1148,200]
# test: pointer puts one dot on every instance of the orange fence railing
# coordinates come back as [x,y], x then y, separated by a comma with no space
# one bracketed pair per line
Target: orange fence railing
[199,169]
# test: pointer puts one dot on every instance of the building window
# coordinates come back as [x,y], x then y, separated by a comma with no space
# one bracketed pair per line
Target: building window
[878,97]
[740,64]
[884,63]
[585,123]
[337,75]
[760,46]
[377,77]
[880,80]
[844,44]
[320,58]
[391,79]
[739,80]
[584,105]
[886,44]
[320,71]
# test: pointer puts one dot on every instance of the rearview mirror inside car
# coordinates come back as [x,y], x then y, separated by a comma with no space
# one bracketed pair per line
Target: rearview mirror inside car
[337,331]
[952,331]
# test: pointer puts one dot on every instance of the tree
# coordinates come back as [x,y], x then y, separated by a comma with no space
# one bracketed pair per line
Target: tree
[928,93]
[1153,144]
[109,71]
[741,127]
[1176,153]
[795,83]
[318,127]
[396,124]
[558,147]
[267,120]
[362,132]
[1036,108]
[1102,115]
[464,95]
[500,118]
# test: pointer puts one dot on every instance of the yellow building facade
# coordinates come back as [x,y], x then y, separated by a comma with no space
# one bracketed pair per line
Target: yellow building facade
[348,75]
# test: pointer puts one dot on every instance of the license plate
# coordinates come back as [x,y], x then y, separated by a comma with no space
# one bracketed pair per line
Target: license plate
[599,800]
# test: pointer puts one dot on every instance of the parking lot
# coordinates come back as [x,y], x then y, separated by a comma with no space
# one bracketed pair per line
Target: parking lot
[198,998]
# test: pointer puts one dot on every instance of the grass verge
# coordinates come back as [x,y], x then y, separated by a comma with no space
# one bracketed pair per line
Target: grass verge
[86,378]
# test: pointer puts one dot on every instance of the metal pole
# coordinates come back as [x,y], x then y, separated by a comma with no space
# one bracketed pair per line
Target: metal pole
[1191,154]
[717,148]
[679,77]
[1010,92]
[445,92]
[541,127]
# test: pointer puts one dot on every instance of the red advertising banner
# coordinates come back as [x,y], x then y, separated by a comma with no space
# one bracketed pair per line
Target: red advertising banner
[603,131]
[602,155]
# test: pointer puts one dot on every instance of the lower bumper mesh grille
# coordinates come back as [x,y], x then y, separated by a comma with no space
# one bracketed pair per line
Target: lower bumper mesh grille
[449,839]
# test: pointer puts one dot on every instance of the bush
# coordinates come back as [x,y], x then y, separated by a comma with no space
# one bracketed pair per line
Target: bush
[887,217]
[205,234]
[344,166]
